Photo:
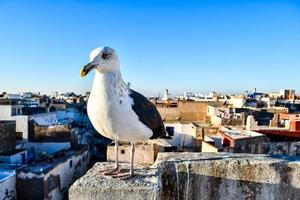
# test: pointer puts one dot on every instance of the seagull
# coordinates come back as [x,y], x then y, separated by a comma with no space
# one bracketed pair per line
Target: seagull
[118,112]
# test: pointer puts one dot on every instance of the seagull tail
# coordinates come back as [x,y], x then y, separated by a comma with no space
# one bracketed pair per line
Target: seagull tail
[160,142]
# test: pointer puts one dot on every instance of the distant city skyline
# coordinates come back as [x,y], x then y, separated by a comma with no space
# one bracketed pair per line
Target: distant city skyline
[159,94]
[198,46]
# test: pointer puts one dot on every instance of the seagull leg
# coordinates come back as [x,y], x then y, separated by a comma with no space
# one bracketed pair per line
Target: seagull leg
[124,176]
[116,169]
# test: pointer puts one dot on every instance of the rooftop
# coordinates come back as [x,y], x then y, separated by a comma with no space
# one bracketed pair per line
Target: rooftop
[280,132]
[9,167]
[5,175]
[9,101]
[239,134]
[46,165]
[15,151]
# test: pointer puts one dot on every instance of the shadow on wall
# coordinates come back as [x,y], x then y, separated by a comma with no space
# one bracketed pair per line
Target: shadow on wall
[216,180]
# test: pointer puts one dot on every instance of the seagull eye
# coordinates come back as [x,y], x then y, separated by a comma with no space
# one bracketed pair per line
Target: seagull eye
[105,55]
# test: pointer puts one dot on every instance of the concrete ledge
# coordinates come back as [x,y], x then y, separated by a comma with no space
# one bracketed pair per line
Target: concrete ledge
[145,185]
[198,176]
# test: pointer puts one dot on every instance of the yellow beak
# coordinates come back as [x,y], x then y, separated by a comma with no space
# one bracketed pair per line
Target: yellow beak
[86,69]
[83,73]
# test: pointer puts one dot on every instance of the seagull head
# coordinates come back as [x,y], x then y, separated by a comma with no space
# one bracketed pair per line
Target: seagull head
[102,59]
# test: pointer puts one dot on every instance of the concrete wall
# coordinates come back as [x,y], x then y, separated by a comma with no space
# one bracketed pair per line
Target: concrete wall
[282,148]
[261,145]
[5,112]
[48,147]
[8,185]
[22,125]
[48,133]
[218,111]
[233,122]
[238,102]
[197,176]
[275,121]
[185,111]
[206,147]
[169,114]
[7,136]
[51,127]
[144,153]
[250,145]
[229,176]
[20,157]
[31,188]
[216,121]
[67,174]
[193,111]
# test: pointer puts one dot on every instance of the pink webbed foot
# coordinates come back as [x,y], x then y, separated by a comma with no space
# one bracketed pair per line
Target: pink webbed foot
[123,176]
[112,172]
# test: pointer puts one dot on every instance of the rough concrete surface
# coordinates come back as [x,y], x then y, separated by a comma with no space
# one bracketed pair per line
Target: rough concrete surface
[94,185]
[198,176]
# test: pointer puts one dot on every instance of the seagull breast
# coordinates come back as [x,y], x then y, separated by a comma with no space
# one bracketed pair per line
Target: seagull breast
[110,110]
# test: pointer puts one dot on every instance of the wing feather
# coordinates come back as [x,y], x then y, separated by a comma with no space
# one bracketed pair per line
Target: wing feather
[148,115]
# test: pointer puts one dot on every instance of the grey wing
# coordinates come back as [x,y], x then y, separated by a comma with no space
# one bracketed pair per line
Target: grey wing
[148,115]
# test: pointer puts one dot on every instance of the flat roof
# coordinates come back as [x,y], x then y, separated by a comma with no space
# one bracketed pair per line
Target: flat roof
[45,166]
[14,152]
[9,167]
[280,132]
[195,123]
[240,134]
[5,175]
[273,128]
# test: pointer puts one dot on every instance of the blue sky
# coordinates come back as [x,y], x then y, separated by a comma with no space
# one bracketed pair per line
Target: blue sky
[199,46]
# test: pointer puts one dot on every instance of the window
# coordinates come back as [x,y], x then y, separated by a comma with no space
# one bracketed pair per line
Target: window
[170,130]
[52,182]
[19,135]
[71,163]
[122,151]
[13,111]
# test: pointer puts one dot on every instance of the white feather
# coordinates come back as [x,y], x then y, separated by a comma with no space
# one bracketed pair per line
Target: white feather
[110,109]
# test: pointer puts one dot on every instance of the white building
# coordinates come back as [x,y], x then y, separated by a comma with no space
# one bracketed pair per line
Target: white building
[13,96]
[8,185]
[287,94]
[52,179]
[188,95]
[166,95]
[8,181]
[216,114]
[9,108]
[184,134]
[12,110]
[238,102]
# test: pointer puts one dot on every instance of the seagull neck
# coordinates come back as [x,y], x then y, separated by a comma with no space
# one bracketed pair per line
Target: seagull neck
[106,80]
